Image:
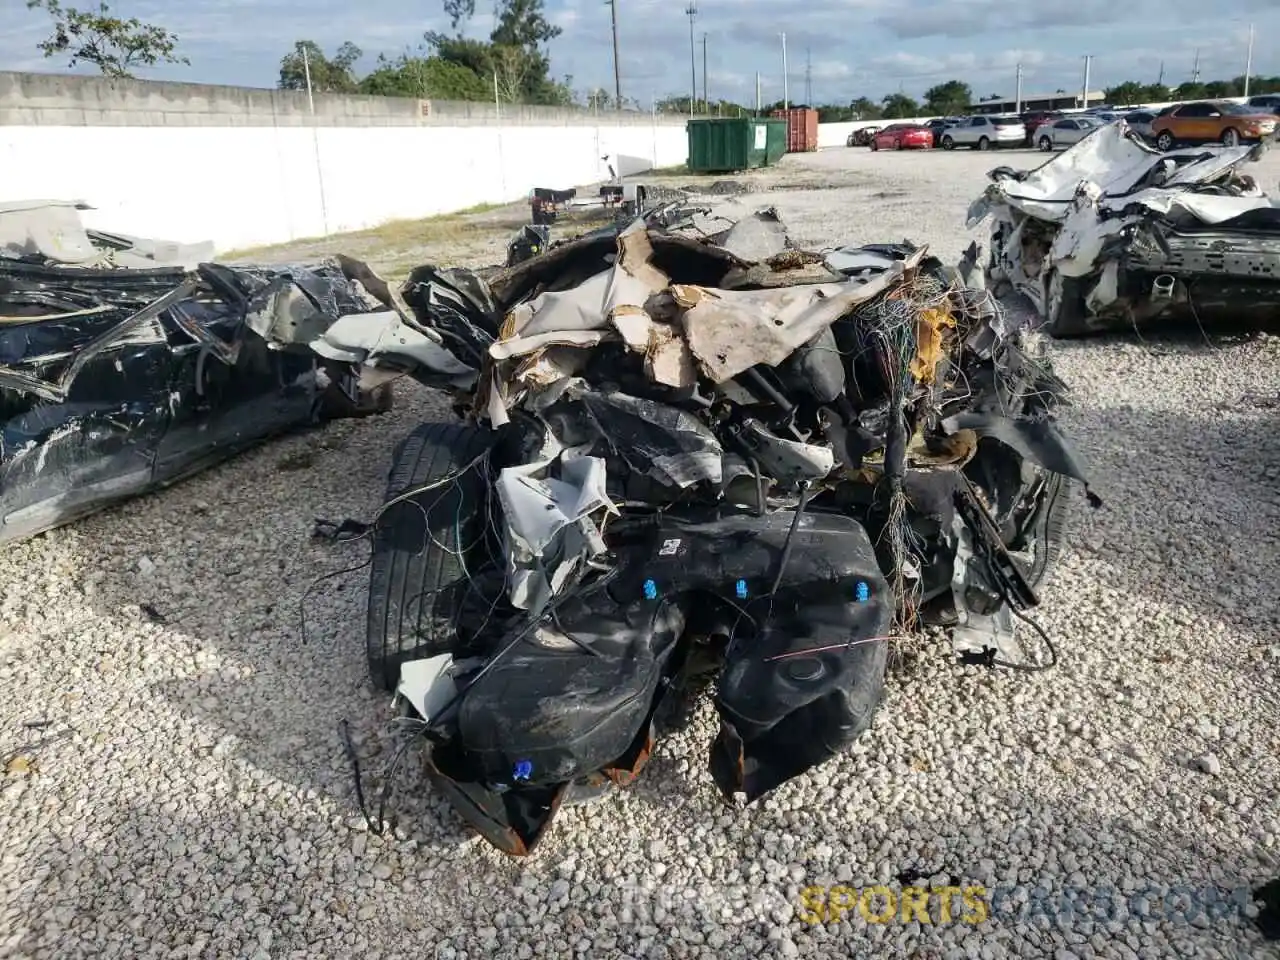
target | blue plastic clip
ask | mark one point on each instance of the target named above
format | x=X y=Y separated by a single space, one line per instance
x=740 y=588
x=523 y=770
x=650 y=590
x=863 y=591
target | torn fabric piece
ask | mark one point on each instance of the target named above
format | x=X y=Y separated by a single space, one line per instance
x=548 y=525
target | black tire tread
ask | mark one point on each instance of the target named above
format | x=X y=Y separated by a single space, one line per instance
x=415 y=572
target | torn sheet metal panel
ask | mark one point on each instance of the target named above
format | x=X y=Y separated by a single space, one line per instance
x=732 y=331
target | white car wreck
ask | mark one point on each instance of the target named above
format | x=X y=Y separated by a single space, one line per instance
x=1111 y=233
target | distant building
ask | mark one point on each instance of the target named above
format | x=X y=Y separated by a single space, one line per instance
x=1038 y=101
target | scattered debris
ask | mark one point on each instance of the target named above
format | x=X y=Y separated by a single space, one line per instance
x=1111 y=233
x=129 y=364
x=687 y=456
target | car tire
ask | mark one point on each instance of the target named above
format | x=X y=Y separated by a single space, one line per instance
x=874 y=146
x=1047 y=530
x=1070 y=319
x=984 y=143
x=948 y=143
x=1165 y=141
x=1231 y=137
x=897 y=144
x=424 y=545
x=1046 y=144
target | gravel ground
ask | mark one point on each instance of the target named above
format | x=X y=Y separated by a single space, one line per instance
x=190 y=797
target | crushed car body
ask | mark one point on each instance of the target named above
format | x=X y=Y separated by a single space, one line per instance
x=1111 y=233
x=127 y=364
x=695 y=456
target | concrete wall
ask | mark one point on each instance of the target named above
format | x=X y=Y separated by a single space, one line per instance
x=244 y=167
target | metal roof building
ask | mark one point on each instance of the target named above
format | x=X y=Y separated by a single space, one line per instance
x=1034 y=101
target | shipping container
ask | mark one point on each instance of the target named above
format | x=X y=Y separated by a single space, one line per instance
x=737 y=143
x=802 y=129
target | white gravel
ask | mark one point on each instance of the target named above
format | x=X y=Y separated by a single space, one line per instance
x=199 y=804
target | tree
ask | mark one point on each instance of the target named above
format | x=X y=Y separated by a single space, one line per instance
x=865 y=109
x=113 y=45
x=947 y=99
x=898 y=106
x=512 y=67
x=1216 y=89
x=522 y=23
x=1190 y=91
x=334 y=75
x=459 y=11
x=599 y=99
x=424 y=77
x=1131 y=92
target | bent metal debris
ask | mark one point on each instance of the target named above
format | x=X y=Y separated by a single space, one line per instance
x=689 y=455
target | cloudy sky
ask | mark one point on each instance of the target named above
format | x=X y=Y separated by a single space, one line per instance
x=853 y=47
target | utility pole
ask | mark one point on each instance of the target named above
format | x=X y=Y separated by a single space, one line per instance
x=706 y=104
x=617 y=69
x=306 y=70
x=808 y=78
x=1160 y=79
x=786 y=90
x=758 y=104
x=1248 y=63
x=1195 y=68
x=692 y=11
x=1084 y=95
x=1017 y=107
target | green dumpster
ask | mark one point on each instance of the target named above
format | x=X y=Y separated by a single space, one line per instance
x=737 y=143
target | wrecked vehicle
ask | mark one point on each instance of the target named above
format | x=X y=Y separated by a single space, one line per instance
x=687 y=460
x=128 y=364
x=1112 y=233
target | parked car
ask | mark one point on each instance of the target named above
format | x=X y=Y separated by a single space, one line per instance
x=1033 y=120
x=1063 y=133
x=903 y=136
x=1139 y=121
x=937 y=125
x=1268 y=102
x=861 y=137
x=984 y=133
x=1207 y=121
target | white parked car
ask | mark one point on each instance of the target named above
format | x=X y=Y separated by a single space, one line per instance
x=1139 y=121
x=1059 y=134
x=984 y=133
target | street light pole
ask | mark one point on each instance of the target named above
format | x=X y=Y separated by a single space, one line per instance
x=692 y=11
x=1248 y=63
x=706 y=104
x=617 y=68
x=786 y=90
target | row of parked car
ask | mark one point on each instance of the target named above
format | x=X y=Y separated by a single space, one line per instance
x=1202 y=121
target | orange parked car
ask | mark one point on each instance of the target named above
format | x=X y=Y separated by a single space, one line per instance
x=1209 y=121
x=903 y=136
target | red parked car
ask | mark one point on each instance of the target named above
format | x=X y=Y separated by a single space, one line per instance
x=903 y=136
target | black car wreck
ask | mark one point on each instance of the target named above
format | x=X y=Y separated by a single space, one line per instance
x=688 y=459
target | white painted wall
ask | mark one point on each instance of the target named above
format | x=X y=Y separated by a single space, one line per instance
x=243 y=186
